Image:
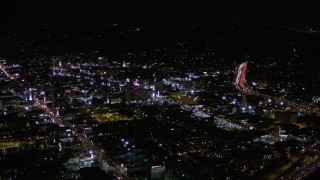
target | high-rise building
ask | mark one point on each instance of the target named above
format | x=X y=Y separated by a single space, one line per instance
x=103 y=61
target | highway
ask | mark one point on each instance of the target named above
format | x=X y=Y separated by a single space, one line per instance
x=240 y=84
x=115 y=168
x=2 y=67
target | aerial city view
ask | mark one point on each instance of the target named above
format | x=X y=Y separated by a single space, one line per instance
x=166 y=91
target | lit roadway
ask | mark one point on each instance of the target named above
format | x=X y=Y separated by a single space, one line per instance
x=101 y=158
x=6 y=73
x=241 y=85
x=308 y=167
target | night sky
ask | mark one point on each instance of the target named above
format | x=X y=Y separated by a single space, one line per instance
x=158 y=14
